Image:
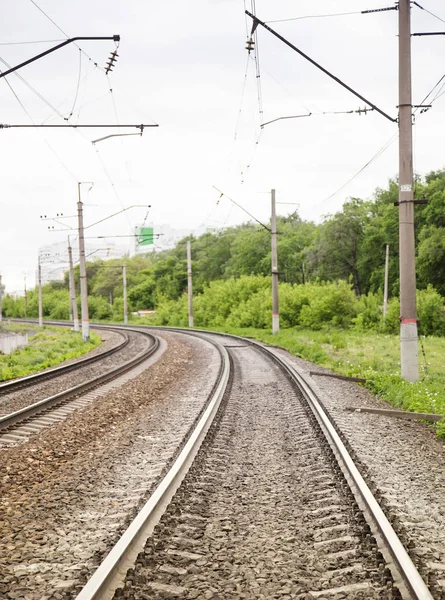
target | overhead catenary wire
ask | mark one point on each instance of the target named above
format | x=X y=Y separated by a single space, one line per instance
x=112 y=184
x=329 y=15
x=257 y=66
x=241 y=207
x=51 y=116
x=64 y=33
x=323 y=16
x=257 y=22
x=65 y=167
x=242 y=98
x=113 y=101
x=77 y=88
x=249 y=164
x=33 y=89
x=429 y=12
x=391 y=140
x=30 y=42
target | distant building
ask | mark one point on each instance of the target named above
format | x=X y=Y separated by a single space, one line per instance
x=54 y=257
x=155 y=238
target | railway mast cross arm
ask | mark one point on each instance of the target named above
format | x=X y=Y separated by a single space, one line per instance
x=114 y=38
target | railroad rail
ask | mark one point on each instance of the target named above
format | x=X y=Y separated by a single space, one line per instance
x=16 y=384
x=109 y=576
x=18 y=425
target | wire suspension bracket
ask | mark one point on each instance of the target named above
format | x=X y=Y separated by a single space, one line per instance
x=257 y=22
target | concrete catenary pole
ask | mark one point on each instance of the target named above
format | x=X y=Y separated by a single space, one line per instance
x=1 y=300
x=275 y=312
x=25 y=298
x=39 y=279
x=190 y=282
x=83 y=273
x=124 y=283
x=73 y=299
x=385 y=284
x=408 y=313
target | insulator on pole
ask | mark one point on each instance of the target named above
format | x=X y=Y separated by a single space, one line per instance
x=250 y=45
x=112 y=59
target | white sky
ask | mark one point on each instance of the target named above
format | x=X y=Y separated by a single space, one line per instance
x=182 y=65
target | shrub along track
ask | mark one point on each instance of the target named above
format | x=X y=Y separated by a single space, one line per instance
x=27 y=408
x=273 y=507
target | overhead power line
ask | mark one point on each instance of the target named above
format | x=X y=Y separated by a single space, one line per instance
x=257 y=22
x=29 y=42
x=64 y=33
x=391 y=140
x=328 y=15
x=429 y=12
x=242 y=208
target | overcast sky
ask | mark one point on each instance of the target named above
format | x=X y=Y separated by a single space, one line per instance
x=182 y=65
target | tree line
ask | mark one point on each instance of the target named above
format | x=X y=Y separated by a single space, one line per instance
x=347 y=246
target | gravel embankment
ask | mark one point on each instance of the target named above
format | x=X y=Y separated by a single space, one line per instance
x=68 y=493
x=262 y=514
x=10 y=402
x=403 y=461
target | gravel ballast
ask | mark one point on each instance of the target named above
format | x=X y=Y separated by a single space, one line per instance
x=402 y=461
x=15 y=400
x=263 y=513
x=68 y=493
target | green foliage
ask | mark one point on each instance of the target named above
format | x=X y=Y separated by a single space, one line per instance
x=99 y=308
x=247 y=302
x=231 y=271
x=370 y=314
x=47 y=348
x=430 y=311
x=373 y=356
x=333 y=305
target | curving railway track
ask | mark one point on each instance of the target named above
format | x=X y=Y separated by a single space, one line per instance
x=26 y=408
x=273 y=505
x=248 y=490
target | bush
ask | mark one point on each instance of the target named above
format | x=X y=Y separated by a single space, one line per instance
x=99 y=308
x=430 y=312
x=256 y=311
x=292 y=300
x=391 y=323
x=370 y=313
x=334 y=305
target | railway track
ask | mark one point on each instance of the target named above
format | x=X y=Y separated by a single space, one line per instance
x=17 y=426
x=273 y=505
x=22 y=382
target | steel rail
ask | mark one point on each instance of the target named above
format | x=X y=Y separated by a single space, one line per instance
x=112 y=571
x=15 y=384
x=99 y=587
x=38 y=407
x=405 y=566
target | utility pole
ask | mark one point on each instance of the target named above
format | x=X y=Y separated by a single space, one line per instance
x=73 y=299
x=39 y=281
x=25 y=298
x=83 y=272
x=124 y=283
x=273 y=224
x=385 y=286
x=189 y=282
x=1 y=300
x=408 y=313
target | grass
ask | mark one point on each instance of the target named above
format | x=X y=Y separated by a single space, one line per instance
x=373 y=356
x=47 y=347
